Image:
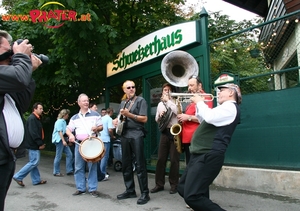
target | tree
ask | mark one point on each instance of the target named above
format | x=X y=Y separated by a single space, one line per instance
x=232 y=54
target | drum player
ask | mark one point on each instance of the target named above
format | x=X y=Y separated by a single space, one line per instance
x=85 y=123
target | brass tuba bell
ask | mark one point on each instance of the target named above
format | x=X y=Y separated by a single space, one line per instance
x=178 y=66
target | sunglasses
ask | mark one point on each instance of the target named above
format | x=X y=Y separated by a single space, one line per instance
x=132 y=87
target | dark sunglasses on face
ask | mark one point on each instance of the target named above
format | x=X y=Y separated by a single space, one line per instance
x=132 y=87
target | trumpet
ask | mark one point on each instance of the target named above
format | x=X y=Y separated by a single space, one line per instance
x=185 y=97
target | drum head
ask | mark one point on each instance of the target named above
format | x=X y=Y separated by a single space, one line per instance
x=91 y=148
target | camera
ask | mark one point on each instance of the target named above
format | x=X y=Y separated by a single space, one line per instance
x=42 y=57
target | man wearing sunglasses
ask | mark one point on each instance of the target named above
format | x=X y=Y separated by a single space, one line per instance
x=134 y=110
x=209 y=145
x=16 y=91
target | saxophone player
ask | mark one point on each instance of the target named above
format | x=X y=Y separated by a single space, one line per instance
x=188 y=119
x=166 y=144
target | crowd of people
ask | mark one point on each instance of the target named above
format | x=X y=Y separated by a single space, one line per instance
x=205 y=135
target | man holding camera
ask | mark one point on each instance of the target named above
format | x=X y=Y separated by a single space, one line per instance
x=16 y=91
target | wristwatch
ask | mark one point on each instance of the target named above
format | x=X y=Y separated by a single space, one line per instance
x=190 y=118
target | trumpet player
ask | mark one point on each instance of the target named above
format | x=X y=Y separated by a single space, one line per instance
x=208 y=151
x=188 y=118
x=166 y=144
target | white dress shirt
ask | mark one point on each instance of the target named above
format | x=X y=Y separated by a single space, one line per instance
x=14 y=123
x=221 y=115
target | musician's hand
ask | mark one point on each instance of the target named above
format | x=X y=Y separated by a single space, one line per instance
x=165 y=98
x=161 y=114
x=182 y=117
x=197 y=98
x=124 y=112
x=72 y=138
x=94 y=129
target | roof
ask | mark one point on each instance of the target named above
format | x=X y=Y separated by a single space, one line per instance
x=259 y=7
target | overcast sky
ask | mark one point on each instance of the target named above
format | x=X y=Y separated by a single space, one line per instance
x=234 y=12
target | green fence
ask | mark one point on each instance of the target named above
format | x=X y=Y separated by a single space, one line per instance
x=269 y=133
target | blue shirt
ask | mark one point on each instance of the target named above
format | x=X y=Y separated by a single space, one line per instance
x=60 y=125
x=107 y=124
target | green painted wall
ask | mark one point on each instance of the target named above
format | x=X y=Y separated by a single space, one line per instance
x=269 y=133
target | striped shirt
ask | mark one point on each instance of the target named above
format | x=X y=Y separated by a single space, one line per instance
x=83 y=126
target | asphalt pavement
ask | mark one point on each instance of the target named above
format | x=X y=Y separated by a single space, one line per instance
x=57 y=195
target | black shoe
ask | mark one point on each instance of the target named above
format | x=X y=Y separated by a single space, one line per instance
x=70 y=173
x=173 y=191
x=95 y=194
x=127 y=195
x=143 y=199
x=156 y=189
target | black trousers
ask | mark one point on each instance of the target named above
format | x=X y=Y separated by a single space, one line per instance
x=186 y=148
x=6 y=173
x=166 y=148
x=134 y=147
x=196 y=179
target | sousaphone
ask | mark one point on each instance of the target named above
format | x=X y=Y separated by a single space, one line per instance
x=178 y=66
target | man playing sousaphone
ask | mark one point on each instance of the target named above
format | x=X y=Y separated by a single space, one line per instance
x=166 y=144
x=188 y=119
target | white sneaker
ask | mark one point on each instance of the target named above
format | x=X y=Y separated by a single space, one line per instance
x=106 y=177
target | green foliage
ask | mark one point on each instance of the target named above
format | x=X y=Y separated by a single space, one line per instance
x=79 y=51
x=232 y=54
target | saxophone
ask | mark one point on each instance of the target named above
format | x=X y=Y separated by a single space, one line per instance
x=176 y=129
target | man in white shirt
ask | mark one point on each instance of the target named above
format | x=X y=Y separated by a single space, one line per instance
x=208 y=146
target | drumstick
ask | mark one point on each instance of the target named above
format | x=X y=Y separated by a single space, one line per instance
x=77 y=143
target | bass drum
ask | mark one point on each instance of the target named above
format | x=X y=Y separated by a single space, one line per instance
x=92 y=149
